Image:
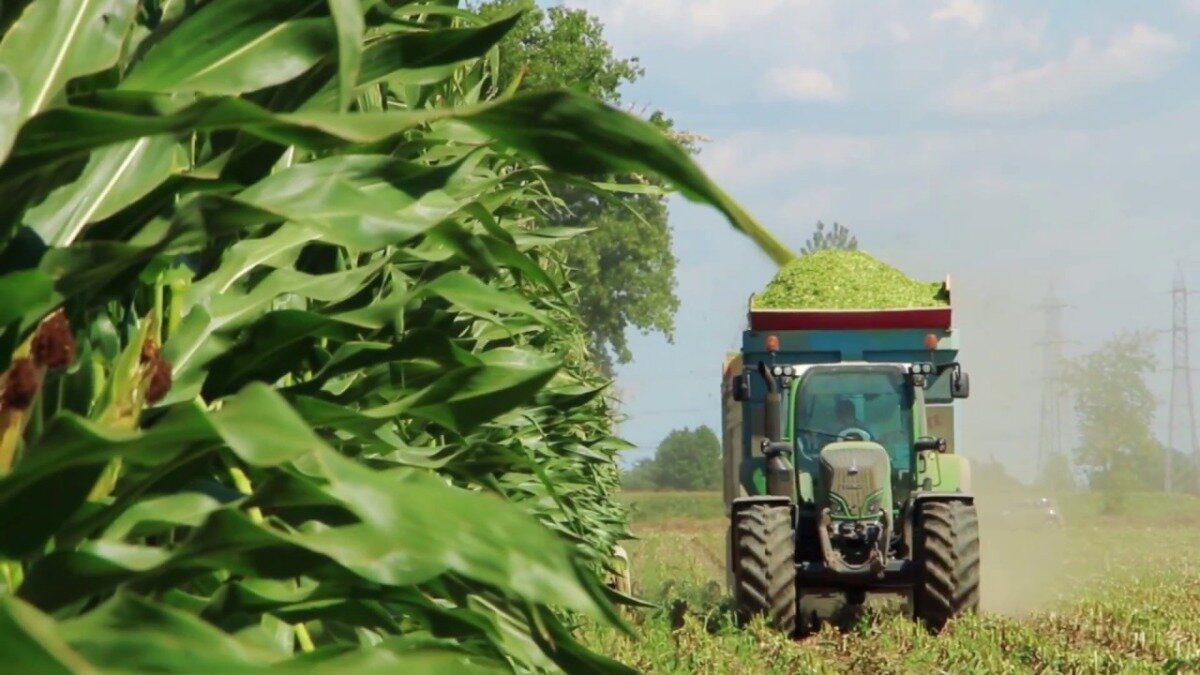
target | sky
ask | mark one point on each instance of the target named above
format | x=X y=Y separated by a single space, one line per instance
x=1014 y=146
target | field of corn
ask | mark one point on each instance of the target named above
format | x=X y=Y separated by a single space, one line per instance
x=290 y=370
x=1107 y=594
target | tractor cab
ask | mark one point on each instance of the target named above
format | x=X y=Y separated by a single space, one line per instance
x=865 y=403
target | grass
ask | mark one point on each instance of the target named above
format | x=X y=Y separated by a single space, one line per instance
x=657 y=506
x=1106 y=594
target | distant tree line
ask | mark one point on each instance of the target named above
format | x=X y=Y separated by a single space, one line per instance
x=687 y=459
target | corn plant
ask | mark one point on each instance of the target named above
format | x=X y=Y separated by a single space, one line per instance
x=291 y=371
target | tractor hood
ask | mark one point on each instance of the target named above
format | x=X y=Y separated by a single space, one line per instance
x=856 y=480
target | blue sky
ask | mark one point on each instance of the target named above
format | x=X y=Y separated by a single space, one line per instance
x=1011 y=145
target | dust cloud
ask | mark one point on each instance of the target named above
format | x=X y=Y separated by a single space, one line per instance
x=1026 y=566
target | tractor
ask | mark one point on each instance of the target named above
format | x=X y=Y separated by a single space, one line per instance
x=841 y=476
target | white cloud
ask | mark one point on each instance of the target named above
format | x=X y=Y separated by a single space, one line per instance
x=1025 y=34
x=804 y=208
x=747 y=157
x=695 y=18
x=969 y=12
x=1137 y=53
x=901 y=34
x=798 y=83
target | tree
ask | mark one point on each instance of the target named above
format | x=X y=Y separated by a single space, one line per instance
x=837 y=237
x=1115 y=408
x=625 y=265
x=559 y=47
x=687 y=459
x=641 y=476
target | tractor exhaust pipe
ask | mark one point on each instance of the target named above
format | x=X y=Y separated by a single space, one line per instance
x=780 y=477
x=772 y=429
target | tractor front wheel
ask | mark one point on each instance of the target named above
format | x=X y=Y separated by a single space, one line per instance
x=947 y=547
x=764 y=568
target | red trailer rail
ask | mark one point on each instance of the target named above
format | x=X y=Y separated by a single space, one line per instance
x=851 y=319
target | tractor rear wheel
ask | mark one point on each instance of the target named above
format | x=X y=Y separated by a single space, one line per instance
x=764 y=568
x=947 y=548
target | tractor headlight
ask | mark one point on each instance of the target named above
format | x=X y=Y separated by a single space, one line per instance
x=777 y=371
x=787 y=371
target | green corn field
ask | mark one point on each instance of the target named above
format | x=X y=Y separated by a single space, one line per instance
x=291 y=371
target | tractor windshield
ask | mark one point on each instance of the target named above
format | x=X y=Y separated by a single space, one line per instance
x=844 y=401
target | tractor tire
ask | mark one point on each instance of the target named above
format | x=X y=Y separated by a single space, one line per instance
x=947 y=548
x=764 y=568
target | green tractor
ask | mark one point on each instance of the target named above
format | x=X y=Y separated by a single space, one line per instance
x=841 y=479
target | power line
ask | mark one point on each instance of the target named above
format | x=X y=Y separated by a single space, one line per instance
x=1181 y=382
x=1050 y=419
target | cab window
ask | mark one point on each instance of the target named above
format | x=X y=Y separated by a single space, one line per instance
x=875 y=399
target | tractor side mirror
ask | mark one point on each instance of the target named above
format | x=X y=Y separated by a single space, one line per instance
x=926 y=443
x=740 y=385
x=960 y=385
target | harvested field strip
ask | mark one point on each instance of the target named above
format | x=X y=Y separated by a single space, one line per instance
x=1104 y=594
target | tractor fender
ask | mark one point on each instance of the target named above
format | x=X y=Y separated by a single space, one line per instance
x=745 y=502
x=964 y=473
x=946 y=473
x=921 y=497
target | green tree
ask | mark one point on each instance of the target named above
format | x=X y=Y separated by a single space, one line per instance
x=837 y=237
x=641 y=476
x=687 y=459
x=625 y=266
x=1115 y=408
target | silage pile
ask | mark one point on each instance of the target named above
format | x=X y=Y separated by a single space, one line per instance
x=837 y=279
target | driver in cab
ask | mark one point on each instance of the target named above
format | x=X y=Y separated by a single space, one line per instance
x=854 y=429
x=848 y=421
